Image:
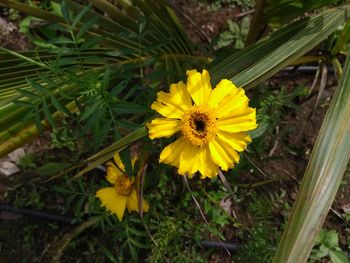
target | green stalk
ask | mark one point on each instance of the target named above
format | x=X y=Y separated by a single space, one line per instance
x=322 y=178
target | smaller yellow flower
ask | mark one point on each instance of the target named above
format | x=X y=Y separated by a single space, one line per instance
x=123 y=194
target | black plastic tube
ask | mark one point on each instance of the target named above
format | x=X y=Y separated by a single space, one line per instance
x=38 y=214
x=220 y=245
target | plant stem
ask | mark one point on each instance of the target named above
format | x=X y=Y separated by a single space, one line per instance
x=257 y=23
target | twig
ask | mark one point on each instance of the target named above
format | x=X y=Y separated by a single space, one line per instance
x=245 y=13
x=275 y=144
x=227 y=186
x=140 y=196
x=201 y=211
x=202 y=32
x=255 y=166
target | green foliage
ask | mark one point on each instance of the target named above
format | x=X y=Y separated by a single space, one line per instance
x=215 y=5
x=27 y=162
x=272 y=106
x=212 y=207
x=169 y=241
x=283 y=11
x=327 y=245
x=62 y=137
x=77 y=195
x=28 y=236
x=235 y=35
x=260 y=244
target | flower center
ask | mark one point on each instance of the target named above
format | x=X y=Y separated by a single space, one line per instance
x=199 y=126
x=123 y=185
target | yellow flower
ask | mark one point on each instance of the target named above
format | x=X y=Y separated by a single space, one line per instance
x=123 y=194
x=212 y=124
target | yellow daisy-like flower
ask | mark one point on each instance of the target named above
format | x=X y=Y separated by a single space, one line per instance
x=123 y=194
x=212 y=124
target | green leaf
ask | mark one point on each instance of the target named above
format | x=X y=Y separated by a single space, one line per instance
x=38 y=87
x=108 y=253
x=338 y=256
x=60 y=107
x=331 y=239
x=126 y=160
x=138 y=244
x=61 y=40
x=48 y=115
x=106 y=78
x=322 y=178
x=86 y=27
x=320 y=237
x=65 y=11
x=52 y=168
x=322 y=252
x=81 y=15
x=28 y=94
x=37 y=120
x=90 y=42
x=129 y=107
x=23 y=103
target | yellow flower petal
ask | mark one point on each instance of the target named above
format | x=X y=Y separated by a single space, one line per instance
x=241 y=120
x=112 y=172
x=207 y=167
x=171 y=154
x=222 y=154
x=119 y=162
x=234 y=101
x=188 y=159
x=145 y=205
x=194 y=159
x=180 y=95
x=112 y=201
x=163 y=127
x=132 y=203
x=198 y=85
x=223 y=89
x=237 y=141
x=173 y=104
